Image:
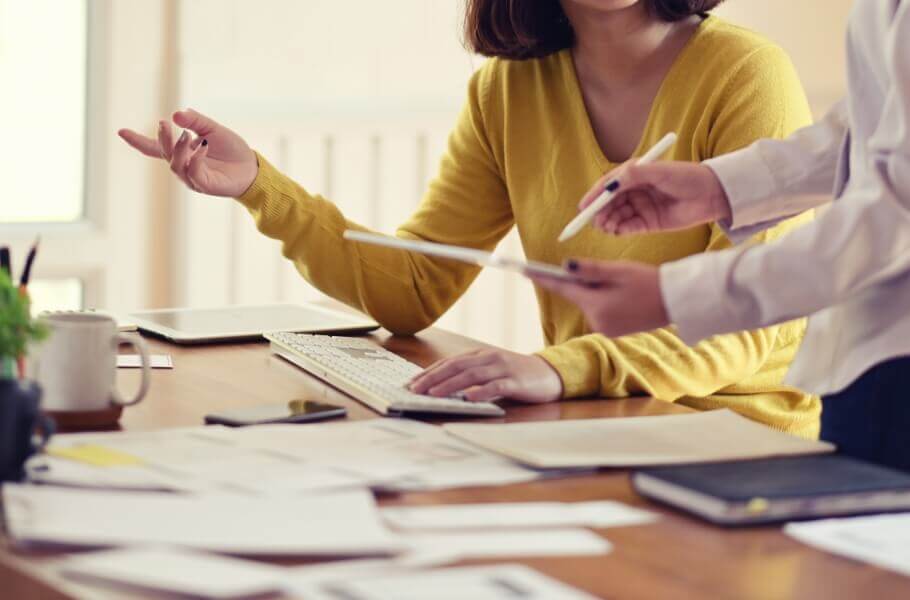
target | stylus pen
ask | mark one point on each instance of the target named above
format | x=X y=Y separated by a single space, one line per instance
x=585 y=216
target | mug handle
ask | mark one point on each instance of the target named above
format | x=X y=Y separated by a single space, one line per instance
x=138 y=344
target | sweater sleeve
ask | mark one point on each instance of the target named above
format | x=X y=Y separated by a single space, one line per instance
x=466 y=205
x=762 y=99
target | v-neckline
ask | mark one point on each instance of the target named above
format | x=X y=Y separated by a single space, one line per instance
x=581 y=110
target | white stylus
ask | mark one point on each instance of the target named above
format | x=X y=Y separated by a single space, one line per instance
x=585 y=216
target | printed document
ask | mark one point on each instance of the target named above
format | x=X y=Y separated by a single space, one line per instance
x=880 y=540
x=343 y=524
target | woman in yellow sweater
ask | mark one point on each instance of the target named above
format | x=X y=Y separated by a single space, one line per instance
x=575 y=88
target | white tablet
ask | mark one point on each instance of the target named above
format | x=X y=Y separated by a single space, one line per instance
x=459 y=253
x=201 y=325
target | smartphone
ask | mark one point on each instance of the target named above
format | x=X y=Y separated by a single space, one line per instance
x=295 y=411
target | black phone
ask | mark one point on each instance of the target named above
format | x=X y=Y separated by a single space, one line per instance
x=295 y=411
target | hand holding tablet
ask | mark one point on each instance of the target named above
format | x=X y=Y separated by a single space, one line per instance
x=468 y=255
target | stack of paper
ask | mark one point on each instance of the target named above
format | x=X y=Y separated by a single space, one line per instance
x=276 y=459
x=710 y=436
x=881 y=540
x=345 y=524
x=184 y=572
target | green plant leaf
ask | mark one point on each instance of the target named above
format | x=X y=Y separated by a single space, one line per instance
x=17 y=328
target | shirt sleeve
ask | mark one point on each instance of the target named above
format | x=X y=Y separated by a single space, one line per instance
x=467 y=204
x=772 y=180
x=861 y=241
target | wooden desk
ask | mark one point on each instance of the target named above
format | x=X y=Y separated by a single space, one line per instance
x=677 y=557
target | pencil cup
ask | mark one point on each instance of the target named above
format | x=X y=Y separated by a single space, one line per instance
x=23 y=429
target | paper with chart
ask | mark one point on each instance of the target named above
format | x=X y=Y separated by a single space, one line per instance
x=709 y=436
x=605 y=513
x=276 y=459
x=342 y=524
x=404 y=454
x=881 y=540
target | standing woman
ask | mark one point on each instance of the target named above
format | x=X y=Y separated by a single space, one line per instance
x=850 y=269
x=574 y=88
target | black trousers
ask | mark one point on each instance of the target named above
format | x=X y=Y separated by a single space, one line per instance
x=870 y=420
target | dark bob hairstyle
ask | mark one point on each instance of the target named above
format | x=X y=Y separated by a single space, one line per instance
x=520 y=29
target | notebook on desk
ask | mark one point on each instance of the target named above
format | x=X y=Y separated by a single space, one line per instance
x=779 y=489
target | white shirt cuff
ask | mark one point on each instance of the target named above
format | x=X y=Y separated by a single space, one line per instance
x=694 y=294
x=749 y=184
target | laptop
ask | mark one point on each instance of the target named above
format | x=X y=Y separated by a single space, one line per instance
x=243 y=323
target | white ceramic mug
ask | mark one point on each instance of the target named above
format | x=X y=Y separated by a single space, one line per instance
x=77 y=365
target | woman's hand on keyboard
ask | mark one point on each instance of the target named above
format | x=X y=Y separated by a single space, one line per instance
x=214 y=161
x=486 y=375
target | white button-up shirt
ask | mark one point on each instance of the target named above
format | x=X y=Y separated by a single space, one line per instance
x=850 y=268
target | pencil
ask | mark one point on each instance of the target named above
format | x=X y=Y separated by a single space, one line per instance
x=30 y=259
x=5 y=261
x=23 y=292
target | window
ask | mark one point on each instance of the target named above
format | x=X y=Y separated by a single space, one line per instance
x=55 y=294
x=43 y=74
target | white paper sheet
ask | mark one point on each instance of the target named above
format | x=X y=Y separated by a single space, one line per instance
x=510 y=515
x=177 y=571
x=344 y=524
x=499 y=582
x=433 y=549
x=708 y=436
x=881 y=540
x=134 y=361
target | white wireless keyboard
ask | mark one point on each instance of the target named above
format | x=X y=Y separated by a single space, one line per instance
x=369 y=373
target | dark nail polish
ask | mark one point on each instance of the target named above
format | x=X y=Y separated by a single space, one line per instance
x=205 y=142
x=572 y=265
x=612 y=186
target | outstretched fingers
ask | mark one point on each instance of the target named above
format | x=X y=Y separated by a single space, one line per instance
x=144 y=144
x=166 y=140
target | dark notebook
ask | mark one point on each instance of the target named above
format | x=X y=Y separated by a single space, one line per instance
x=777 y=489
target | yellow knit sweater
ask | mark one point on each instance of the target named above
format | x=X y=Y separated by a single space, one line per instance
x=522 y=153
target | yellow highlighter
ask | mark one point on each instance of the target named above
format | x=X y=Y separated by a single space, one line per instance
x=94 y=455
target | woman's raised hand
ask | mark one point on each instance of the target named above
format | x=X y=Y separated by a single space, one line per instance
x=214 y=161
x=660 y=196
